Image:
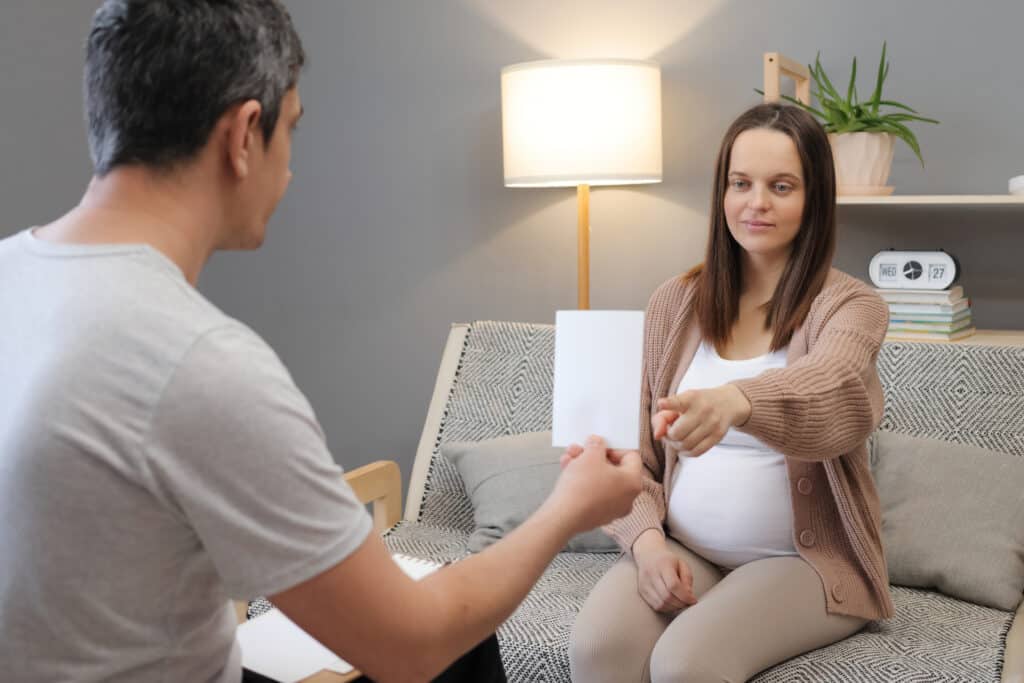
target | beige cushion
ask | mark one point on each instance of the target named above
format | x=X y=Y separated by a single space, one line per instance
x=952 y=518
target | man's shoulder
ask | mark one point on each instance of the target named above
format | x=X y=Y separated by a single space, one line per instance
x=232 y=346
x=163 y=328
x=232 y=367
x=9 y=242
x=155 y=305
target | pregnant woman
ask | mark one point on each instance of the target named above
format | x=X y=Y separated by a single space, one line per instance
x=757 y=537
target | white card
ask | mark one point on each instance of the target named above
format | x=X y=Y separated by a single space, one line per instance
x=598 y=361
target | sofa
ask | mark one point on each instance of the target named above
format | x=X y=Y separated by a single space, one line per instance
x=495 y=379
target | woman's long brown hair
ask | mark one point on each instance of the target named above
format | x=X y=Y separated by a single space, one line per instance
x=718 y=281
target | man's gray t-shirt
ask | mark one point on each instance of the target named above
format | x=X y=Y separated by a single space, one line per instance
x=156 y=459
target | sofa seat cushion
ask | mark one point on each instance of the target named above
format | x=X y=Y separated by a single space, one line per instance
x=932 y=638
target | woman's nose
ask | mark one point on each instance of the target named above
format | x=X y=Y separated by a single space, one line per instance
x=759 y=198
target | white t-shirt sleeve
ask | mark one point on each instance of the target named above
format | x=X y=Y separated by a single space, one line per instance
x=235 y=449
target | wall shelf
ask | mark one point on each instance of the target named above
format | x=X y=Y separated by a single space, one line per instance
x=777 y=65
x=1013 y=338
x=933 y=200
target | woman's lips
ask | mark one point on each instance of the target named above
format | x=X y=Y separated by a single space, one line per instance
x=758 y=226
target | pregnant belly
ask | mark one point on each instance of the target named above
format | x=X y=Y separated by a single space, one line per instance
x=732 y=506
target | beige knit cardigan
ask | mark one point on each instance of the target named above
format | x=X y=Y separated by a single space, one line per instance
x=818 y=411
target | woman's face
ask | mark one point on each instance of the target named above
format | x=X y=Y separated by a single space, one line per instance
x=764 y=199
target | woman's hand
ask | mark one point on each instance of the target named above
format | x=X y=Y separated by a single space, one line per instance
x=664 y=580
x=696 y=420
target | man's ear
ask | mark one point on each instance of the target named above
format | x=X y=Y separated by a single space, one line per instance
x=243 y=134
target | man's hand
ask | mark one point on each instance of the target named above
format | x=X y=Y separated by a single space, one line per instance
x=696 y=420
x=575 y=450
x=596 y=485
x=664 y=580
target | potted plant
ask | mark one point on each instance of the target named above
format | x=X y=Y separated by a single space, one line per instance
x=861 y=135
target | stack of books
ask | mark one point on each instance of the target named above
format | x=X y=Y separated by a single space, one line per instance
x=928 y=314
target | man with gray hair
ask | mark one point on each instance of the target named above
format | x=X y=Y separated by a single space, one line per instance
x=156 y=458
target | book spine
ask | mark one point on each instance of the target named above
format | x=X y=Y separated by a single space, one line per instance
x=930 y=336
x=919 y=299
x=937 y=328
x=922 y=296
x=916 y=316
x=943 y=309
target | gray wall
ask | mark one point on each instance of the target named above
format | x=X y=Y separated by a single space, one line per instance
x=398 y=224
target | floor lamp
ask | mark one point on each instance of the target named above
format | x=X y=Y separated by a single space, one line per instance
x=578 y=123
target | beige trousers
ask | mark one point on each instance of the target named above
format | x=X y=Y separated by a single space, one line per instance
x=748 y=620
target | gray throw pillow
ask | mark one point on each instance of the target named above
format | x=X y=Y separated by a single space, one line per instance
x=507 y=479
x=952 y=517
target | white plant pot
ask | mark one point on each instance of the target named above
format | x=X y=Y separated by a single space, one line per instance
x=863 y=162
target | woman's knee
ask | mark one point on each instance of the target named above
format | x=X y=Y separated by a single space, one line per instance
x=614 y=631
x=673 y=664
x=601 y=652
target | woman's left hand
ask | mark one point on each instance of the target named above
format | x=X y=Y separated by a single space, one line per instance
x=696 y=420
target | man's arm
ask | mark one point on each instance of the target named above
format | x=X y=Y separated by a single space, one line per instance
x=395 y=629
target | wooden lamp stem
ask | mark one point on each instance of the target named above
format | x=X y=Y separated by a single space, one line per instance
x=583 y=245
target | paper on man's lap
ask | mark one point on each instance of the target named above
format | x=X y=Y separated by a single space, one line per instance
x=273 y=645
x=598 y=361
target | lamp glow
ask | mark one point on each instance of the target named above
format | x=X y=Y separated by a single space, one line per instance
x=579 y=123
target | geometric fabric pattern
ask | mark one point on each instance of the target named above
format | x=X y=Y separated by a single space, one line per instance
x=964 y=394
x=503 y=386
x=932 y=638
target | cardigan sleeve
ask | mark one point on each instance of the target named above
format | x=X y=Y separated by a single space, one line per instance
x=649 y=510
x=830 y=400
x=649 y=507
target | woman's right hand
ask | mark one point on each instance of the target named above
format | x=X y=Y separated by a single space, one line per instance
x=664 y=580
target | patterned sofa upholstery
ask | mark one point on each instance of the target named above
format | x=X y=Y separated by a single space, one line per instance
x=496 y=379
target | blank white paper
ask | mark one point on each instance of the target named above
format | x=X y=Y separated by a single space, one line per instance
x=275 y=646
x=598 y=361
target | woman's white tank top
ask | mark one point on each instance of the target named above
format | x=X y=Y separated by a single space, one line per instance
x=731 y=505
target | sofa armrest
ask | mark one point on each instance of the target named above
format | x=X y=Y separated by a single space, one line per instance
x=241 y=610
x=1013 y=662
x=380 y=485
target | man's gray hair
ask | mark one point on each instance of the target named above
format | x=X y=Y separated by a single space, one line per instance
x=160 y=73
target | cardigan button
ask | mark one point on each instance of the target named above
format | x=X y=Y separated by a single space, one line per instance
x=838 y=594
x=804 y=486
x=807 y=538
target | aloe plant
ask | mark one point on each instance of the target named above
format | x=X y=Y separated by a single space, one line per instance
x=849 y=115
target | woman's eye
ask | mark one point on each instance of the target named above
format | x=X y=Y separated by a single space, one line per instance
x=739 y=184
x=783 y=187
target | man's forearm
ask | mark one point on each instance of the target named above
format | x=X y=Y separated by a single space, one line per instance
x=476 y=595
x=395 y=629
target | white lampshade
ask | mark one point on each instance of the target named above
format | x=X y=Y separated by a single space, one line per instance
x=581 y=122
